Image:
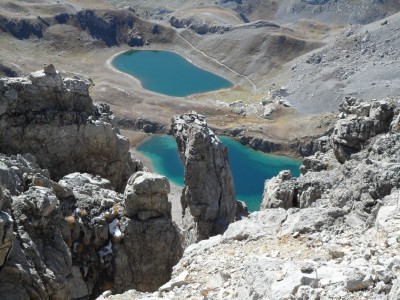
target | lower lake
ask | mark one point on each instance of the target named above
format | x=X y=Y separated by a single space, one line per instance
x=168 y=73
x=250 y=168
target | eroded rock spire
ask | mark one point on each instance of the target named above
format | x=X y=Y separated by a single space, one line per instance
x=208 y=198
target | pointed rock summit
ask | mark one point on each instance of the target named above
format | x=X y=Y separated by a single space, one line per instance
x=208 y=198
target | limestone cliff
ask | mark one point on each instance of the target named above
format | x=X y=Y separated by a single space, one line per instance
x=208 y=198
x=55 y=119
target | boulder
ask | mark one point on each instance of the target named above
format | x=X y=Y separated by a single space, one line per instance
x=395 y=292
x=310 y=220
x=269 y=109
x=279 y=191
x=146 y=196
x=258 y=224
x=41 y=201
x=151 y=243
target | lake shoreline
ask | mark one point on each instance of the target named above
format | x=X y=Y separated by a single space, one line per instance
x=144 y=71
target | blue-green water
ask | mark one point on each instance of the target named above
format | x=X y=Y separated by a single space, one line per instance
x=168 y=73
x=163 y=154
x=249 y=168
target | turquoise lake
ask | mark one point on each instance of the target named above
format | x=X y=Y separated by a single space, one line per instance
x=250 y=168
x=168 y=73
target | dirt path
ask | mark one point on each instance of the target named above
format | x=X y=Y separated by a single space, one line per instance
x=217 y=61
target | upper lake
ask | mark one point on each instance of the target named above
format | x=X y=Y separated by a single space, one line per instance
x=250 y=168
x=168 y=73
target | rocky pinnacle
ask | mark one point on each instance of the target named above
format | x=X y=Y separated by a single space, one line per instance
x=208 y=198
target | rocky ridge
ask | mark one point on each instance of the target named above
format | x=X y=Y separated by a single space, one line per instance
x=112 y=27
x=65 y=233
x=330 y=234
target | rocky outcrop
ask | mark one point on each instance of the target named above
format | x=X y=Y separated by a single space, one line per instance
x=74 y=238
x=331 y=233
x=8 y=71
x=112 y=26
x=23 y=28
x=359 y=122
x=70 y=235
x=208 y=197
x=54 y=118
x=199 y=26
x=343 y=176
x=279 y=192
x=304 y=146
x=152 y=242
x=148 y=126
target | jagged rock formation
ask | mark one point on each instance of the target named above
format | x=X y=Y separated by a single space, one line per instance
x=152 y=242
x=74 y=238
x=55 y=119
x=38 y=264
x=146 y=196
x=208 y=198
x=332 y=234
x=353 y=171
x=359 y=122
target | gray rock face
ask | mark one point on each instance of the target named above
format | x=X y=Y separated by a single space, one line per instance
x=360 y=122
x=146 y=196
x=208 y=198
x=278 y=192
x=6 y=235
x=356 y=182
x=55 y=119
x=198 y=25
x=39 y=248
x=151 y=243
x=72 y=239
x=39 y=261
